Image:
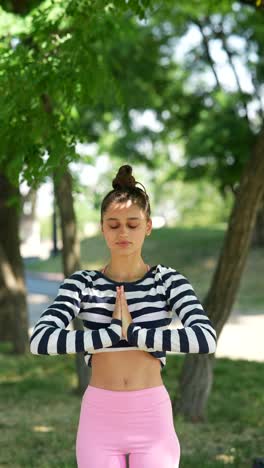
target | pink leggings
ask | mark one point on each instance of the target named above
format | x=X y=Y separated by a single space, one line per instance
x=136 y=422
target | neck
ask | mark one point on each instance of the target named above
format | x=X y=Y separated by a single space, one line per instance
x=127 y=272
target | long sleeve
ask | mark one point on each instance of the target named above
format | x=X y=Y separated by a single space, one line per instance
x=197 y=335
x=49 y=335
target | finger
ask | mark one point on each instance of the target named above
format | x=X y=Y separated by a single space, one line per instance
x=122 y=294
x=123 y=301
x=120 y=299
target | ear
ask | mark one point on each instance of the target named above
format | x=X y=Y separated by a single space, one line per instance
x=149 y=227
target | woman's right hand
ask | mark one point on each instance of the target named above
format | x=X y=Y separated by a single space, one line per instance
x=117 y=310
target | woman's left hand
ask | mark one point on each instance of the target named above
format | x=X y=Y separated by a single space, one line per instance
x=126 y=317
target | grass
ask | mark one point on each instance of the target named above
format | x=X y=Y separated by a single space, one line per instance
x=40 y=412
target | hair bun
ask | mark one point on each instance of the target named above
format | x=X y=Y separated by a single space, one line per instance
x=124 y=189
x=124 y=178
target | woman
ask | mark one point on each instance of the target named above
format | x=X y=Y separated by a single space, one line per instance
x=126 y=408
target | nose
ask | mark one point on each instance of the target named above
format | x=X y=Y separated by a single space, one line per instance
x=123 y=234
x=123 y=229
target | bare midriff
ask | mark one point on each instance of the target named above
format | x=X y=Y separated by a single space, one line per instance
x=125 y=370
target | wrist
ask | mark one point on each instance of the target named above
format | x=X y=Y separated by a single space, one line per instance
x=116 y=326
x=130 y=330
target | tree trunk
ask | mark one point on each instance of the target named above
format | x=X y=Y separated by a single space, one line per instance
x=71 y=257
x=197 y=372
x=13 y=304
x=258 y=233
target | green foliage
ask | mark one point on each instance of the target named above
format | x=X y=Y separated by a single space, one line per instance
x=79 y=65
x=220 y=142
x=58 y=64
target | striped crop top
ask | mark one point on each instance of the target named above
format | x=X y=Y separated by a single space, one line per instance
x=153 y=301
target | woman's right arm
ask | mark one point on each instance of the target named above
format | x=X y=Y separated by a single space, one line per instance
x=49 y=335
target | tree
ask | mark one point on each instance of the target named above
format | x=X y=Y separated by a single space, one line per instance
x=197 y=372
x=44 y=120
x=70 y=254
x=64 y=64
x=13 y=318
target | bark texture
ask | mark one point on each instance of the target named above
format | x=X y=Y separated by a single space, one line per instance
x=71 y=256
x=197 y=373
x=258 y=234
x=13 y=303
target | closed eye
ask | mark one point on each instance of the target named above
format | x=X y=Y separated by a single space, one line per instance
x=131 y=227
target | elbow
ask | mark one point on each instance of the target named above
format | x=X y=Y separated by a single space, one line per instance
x=33 y=347
x=208 y=347
x=214 y=344
x=212 y=347
x=207 y=350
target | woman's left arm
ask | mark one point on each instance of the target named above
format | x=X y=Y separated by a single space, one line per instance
x=198 y=334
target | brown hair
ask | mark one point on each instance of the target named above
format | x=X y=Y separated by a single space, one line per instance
x=124 y=188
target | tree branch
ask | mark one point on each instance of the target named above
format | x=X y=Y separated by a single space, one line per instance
x=257 y=4
x=207 y=50
x=221 y=35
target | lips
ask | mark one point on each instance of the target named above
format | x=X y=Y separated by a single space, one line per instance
x=123 y=243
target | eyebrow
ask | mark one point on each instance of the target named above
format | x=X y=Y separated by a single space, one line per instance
x=133 y=217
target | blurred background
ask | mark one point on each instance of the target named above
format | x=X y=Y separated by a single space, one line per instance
x=177 y=92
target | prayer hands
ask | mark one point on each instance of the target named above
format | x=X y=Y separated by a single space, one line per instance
x=126 y=317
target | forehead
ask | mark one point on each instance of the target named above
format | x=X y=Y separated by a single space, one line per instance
x=125 y=210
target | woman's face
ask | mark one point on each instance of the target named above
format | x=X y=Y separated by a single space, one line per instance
x=125 y=222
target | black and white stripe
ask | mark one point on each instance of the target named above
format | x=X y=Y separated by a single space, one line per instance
x=49 y=335
x=198 y=334
x=152 y=301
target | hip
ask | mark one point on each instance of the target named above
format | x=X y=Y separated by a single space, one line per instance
x=149 y=400
x=121 y=422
